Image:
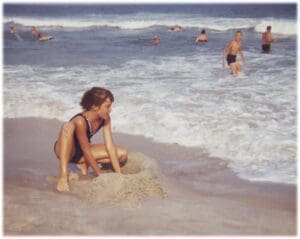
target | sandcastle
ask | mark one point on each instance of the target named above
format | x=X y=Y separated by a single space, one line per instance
x=141 y=177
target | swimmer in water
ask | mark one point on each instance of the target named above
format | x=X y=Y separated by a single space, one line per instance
x=39 y=36
x=231 y=51
x=202 y=37
x=176 y=28
x=73 y=144
x=155 y=40
x=14 y=32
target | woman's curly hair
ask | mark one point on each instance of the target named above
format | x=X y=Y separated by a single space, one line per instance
x=95 y=96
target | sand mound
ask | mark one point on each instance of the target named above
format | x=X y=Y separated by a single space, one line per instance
x=141 y=177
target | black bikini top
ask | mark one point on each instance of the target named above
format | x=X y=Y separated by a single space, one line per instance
x=89 y=130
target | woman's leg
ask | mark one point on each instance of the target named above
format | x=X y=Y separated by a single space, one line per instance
x=64 y=149
x=101 y=155
x=82 y=166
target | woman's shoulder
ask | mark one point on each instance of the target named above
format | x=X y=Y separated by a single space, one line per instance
x=78 y=120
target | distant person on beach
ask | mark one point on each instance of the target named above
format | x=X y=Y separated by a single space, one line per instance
x=14 y=32
x=155 y=40
x=176 y=28
x=39 y=36
x=267 y=40
x=231 y=51
x=202 y=37
x=73 y=143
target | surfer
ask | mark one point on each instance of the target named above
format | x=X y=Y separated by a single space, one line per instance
x=202 y=37
x=74 y=146
x=231 y=51
x=266 y=40
x=39 y=36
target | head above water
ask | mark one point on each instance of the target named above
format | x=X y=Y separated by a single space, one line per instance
x=95 y=96
x=13 y=30
x=203 y=32
x=269 y=28
x=238 y=35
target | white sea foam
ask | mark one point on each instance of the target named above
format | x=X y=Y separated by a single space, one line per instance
x=140 y=21
x=245 y=120
x=279 y=26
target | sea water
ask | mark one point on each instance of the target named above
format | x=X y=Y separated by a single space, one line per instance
x=176 y=92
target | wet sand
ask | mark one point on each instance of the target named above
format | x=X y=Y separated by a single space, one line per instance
x=204 y=197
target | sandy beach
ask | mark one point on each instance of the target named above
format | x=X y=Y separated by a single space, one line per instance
x=202 y=195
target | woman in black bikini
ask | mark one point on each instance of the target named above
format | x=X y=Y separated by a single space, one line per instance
x=73 y=143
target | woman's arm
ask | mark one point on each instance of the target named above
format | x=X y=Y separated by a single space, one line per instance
x=80 y=129
x=110 y=146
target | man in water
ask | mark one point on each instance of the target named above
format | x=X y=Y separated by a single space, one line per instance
x=231 y=51
x=13 y=31
x=266 y=40
x=39 y=36
x=155 y=40
x=202 y=37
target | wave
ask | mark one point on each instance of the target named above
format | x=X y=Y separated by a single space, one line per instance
x=246 y=121
x=285 y=27
x=135 y=22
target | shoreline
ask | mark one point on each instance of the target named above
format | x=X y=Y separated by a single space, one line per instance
x=232 y=205
x=194 y=152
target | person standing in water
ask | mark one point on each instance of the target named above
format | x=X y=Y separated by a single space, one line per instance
x=267 y=40
x=155 y=40
x=73 y=144
x=231 y=51
x=202 y=37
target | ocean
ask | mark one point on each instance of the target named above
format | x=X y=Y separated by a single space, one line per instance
x=176 y=92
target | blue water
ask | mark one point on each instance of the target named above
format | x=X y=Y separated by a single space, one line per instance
x=211 y=10
x=176 y=92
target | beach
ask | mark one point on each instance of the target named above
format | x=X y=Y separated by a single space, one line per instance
x=205 y=199
x=209 y=153
x=175 y=92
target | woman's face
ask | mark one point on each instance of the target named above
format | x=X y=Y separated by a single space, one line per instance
x=105 y=109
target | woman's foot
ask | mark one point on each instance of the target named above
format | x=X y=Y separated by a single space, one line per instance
x=63 y=185
x=83 y=168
